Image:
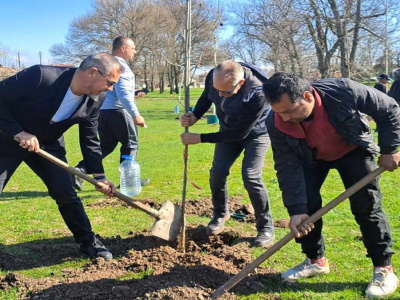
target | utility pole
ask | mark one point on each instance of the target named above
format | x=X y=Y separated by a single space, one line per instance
x=40 y=57
x=19 y=62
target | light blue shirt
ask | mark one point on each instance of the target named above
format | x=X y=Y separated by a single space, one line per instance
x=123 y=94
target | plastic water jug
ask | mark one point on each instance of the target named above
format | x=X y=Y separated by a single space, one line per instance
x=176 y=109
x=129 y=174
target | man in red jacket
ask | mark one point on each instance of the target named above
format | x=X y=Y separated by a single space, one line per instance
x=321 y=126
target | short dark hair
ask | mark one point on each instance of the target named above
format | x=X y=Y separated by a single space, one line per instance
x=285 y=83
x=119 y=41
x=383 y=76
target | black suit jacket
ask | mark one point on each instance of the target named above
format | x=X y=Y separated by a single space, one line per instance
x=28 y=101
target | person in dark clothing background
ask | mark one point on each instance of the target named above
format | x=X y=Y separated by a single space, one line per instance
x=40 y=103
x=381 y=85
x=394 y=91
x=321 y=126
x=235 y=89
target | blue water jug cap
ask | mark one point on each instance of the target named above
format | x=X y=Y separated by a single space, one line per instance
x=127 y=157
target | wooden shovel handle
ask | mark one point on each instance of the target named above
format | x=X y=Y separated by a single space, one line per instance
x=286 y=239
x=152 y=212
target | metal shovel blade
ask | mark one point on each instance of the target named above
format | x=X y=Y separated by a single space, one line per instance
x=170 y=222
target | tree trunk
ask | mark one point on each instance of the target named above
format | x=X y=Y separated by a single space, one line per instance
x=171 y=80
x=176 y=79
x=145 y=71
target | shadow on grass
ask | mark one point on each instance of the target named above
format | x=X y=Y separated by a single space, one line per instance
x=7 y=196
x=49 y=252
x=183 y=282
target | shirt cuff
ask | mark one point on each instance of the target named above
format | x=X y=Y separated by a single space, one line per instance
x=388 y=150
x=298 y=209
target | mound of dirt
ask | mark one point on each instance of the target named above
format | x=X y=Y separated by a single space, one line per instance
x=147 y=268
x=144 y=267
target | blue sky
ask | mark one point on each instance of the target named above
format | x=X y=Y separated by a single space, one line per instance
x=30 y=26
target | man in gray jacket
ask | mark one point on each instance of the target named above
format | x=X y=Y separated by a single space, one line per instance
x=321 y=126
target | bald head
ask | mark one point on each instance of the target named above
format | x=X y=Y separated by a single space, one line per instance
x=124 y=47
x=228 y=78
x=228 y=71
x=119 y=41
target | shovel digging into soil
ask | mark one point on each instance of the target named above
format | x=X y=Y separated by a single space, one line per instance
x=287 y=238
x=168 y=218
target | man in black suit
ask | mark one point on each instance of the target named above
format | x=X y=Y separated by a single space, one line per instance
x=40 y=103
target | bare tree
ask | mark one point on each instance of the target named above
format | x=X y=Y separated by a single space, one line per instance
x=278 y=30
x=5 y=57
x=156 y=27
x=289 y=29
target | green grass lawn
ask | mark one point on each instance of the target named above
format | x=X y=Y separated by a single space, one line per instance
x=28 y=214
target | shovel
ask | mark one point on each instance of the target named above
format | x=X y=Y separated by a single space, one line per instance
x=287 y=238
x=168 y=218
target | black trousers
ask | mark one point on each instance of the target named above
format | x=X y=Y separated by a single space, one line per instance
x=116 y=126
x=366 y=205
x=59 y=185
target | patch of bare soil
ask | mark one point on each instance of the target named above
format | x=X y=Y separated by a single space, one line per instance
x=203 y=207
x=168 y=274
x=144 y=267
x=240 y=212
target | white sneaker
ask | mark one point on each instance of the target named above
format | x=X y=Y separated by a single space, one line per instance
x=383 y=283
x=304 y=270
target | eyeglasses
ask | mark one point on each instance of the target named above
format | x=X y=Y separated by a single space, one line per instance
x=110 y=83
x=230 y=92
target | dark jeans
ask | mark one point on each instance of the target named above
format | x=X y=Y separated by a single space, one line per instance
x=59 y=185
x=253 y=162
x=116 y=126
x=366 y=205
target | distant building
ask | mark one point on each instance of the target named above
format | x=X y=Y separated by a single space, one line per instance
x=337 y=74
x=202 y=80
x=6 y=72
x=63 y=65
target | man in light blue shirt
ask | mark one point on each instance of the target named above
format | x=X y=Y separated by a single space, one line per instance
x=119 y=115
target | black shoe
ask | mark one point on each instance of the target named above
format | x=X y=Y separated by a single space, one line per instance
x=144 y=182
x=264 y=239
x=95 y=248
x=77 y=182
x=216 y=225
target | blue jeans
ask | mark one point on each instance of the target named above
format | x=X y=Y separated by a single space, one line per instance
x=366 y=205
x=225 y=155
